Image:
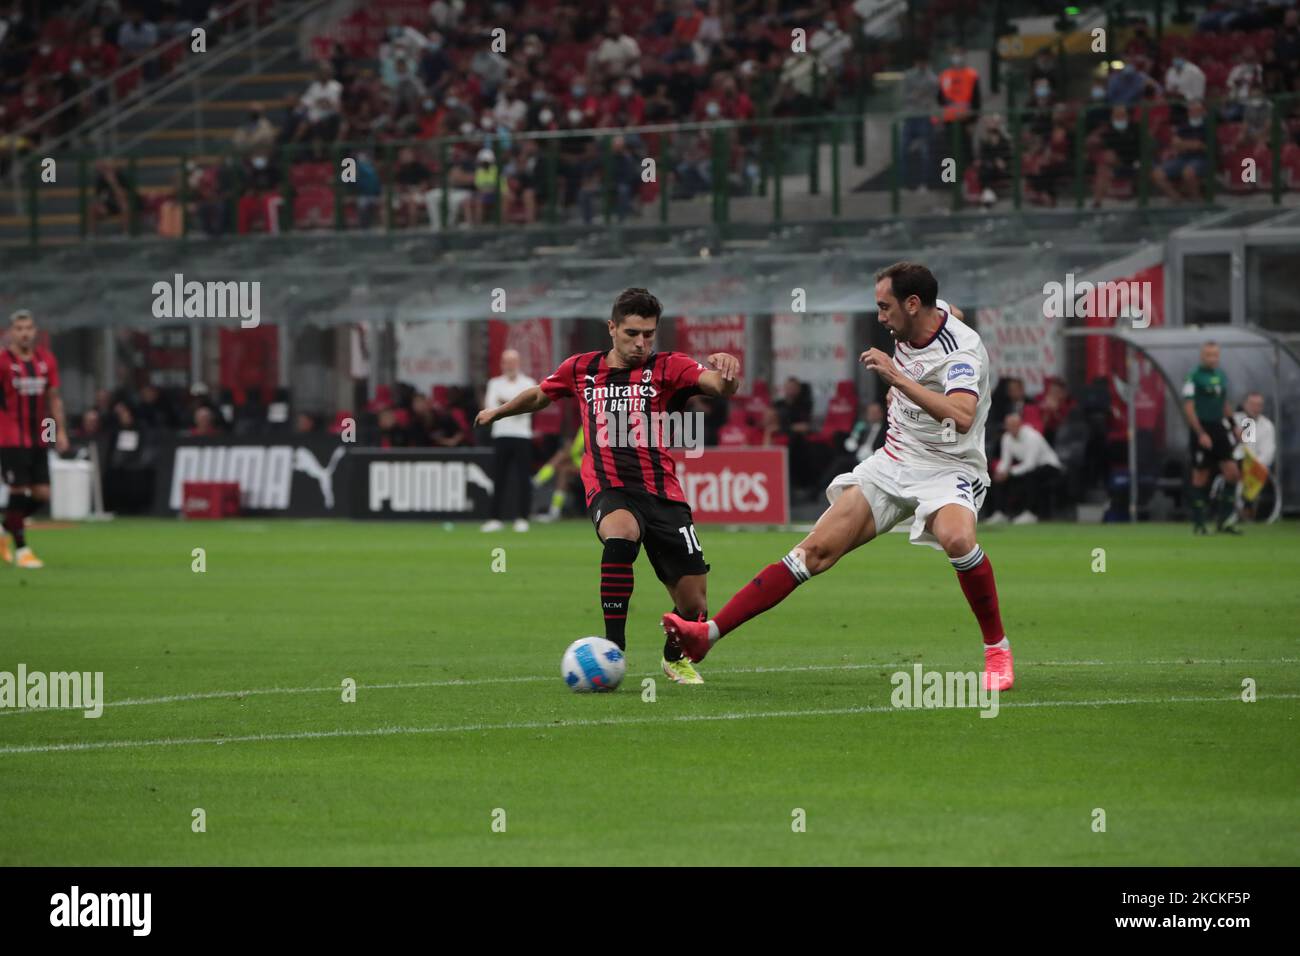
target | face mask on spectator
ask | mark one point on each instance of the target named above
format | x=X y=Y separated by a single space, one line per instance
x=77 y=67
x=259 y=162
x=713 y=110
x=1120 y=125
x=1099 y=92
x=579 y=90
x=830 y=26
x=1195 y=120
x=45 y=49
x=1042 y=90
x=575 y=117
x=957 y=59
x=1179 y=63
x=428 y=106
x=545 y=117
x=486 y=122
x=539 y=96
x=466 y=128
x=624 y=90
x=452 y=102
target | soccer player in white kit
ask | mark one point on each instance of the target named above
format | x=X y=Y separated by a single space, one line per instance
x=931 y=469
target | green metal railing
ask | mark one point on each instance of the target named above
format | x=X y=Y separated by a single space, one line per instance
x=574 y=176
x=960 y=141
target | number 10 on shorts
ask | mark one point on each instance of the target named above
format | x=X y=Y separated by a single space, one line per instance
x=692 y=542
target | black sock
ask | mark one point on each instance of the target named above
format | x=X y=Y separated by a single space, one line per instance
x=20 y=506
x=616 y=586
x=1227 y=502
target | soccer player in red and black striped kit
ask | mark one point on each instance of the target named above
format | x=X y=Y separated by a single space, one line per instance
x=633 y=496
x=31 y=412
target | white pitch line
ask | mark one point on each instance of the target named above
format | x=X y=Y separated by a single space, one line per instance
x=487 y=681
x=604 y=722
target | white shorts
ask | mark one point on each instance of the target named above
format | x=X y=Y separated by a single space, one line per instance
x=896 y=492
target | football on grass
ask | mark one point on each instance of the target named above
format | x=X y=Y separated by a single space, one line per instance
x=593 y=664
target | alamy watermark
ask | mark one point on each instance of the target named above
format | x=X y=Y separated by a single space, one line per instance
x=637 y=429
x=179 y=299
x=1078 y=300
x=55 y=690
x=920 y=688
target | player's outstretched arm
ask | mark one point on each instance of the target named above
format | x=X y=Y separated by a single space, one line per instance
x=529 y=400
x=724 y=378
x=959 y=407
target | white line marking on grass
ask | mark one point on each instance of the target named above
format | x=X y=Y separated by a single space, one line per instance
x=487 y=681
x=604 y=722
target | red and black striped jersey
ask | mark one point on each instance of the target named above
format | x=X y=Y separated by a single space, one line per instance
x=24 y=396
x=608 y=395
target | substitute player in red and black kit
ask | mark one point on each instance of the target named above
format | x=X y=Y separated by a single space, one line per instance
x=633 y=496
x=31 y=411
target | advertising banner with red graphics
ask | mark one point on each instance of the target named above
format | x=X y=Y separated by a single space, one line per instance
x=1107 y=358
x=432 y=353
x=815 y=349
x=737 y=485
x=250 y=361
x=531 y=338
x=1021 y=340
x=701 y=337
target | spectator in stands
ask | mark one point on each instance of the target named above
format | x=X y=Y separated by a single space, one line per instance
x=1286 y=49
x=460 y=189
x=318 y=115
x=994 y=159
x=512 y=443
x=1128 y=85
x=520 y=173
x=624 y=107
x=1048 y=165
x=490 y=67
x=794 y=407
x=154 y=410
x=1054 y=407
x=205 y=423
x=770 y=431
x=369 y=190
x=412 y=179
x=959 y=96
x=1258 y=450
x=1118 y=148
x=868 y=435
x=305 y=423
x=256 y=135
x=436 y=68
x=1184 y=80
x=115 y=194
x=136 y=37
x=510 y=111
x=1245 y=76
x=617 y=55
x=1027 y=472
x=920 y=91
x=624 y=179
x=1188 y=162
x=487 y=176
x=407 y=91
x=1046 y=66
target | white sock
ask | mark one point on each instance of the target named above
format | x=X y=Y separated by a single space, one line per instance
x=1002 y=645
x=714 y=634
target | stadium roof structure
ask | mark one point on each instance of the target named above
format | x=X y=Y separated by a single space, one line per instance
x=575 y=271
x=1246 y=355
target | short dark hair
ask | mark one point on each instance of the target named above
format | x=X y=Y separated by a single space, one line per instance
x=909 y=279
x=635 y=302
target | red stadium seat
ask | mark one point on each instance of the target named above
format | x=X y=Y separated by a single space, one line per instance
x=313 y=208
x=311 y=174
x=1291 y=166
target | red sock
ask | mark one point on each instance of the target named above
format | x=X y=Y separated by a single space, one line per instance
x=981 y=592
x=768 y=589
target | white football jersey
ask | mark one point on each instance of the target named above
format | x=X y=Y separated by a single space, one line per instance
x=954 y=360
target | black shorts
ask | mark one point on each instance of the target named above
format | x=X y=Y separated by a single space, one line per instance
x=667 y=530
x=24 y=467
x=1221 y=449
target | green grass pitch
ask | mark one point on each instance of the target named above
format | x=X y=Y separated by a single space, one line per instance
x=224 y=693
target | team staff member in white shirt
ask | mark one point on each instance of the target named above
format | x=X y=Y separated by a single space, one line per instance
x=512 y=439
x=1027 y=469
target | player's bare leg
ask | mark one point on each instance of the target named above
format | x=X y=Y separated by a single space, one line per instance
x=845 y=525
x=622 y=538
x=690 y=602
x=954 y=527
